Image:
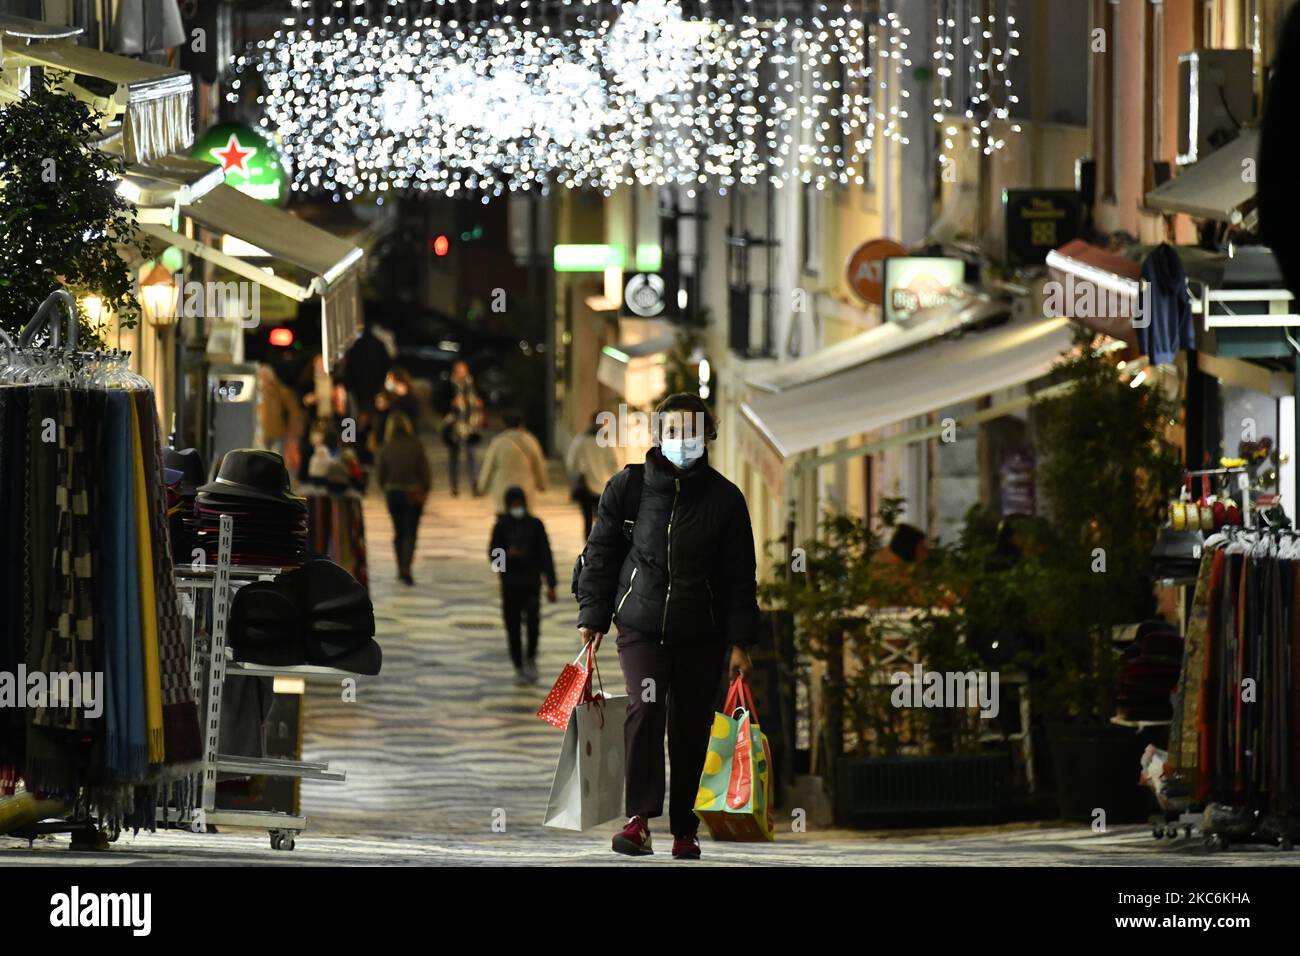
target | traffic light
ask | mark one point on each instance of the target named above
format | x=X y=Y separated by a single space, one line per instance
x=441 y=245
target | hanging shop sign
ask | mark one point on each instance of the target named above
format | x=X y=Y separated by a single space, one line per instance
x=913 y=283
x=865 y=269
x=1038 y=221
x=644 y=295
x=249 y=160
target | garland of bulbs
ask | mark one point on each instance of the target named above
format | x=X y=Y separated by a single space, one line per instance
x=484 y=96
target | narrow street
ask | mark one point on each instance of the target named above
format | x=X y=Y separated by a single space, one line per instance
x=442 y=744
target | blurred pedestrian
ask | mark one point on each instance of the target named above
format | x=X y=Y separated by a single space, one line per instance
x=403 y=472
x=278 y=411
x=520 y=552
x=513 y=457
x=589 y=464
x=462 y=425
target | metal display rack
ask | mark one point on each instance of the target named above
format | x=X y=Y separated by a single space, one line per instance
x=210 y=665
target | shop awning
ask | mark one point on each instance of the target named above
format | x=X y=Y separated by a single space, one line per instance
x=635 y=371
x=169 y=182
x=318 y=263
x=149 y=111
x=1096 y=288
x=906 y=385
x=1213 y=188
x=21 y=28
x=876 y=343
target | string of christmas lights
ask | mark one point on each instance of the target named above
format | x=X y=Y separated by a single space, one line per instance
x=487 y=95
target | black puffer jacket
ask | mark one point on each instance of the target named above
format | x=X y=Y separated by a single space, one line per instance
x=689 y=573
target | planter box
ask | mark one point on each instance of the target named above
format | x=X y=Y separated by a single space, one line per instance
x=1097 y=767
x=916 y=791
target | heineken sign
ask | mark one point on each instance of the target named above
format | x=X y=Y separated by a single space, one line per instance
x=251 y=163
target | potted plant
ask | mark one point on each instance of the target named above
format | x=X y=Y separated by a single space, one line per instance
x=1105 y=469
x=63 y=223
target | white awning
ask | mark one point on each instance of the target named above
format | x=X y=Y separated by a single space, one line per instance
x=876 y=343
x=903 y=386
x=636 y=371
x=148 y=114
x=1214 y=187
x=330 y=263
x=21 y=28
x=170 y=181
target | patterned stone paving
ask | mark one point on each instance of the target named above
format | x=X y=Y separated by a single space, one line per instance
x=442 y=741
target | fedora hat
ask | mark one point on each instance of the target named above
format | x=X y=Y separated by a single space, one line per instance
x=189 y=463
x=253 y=473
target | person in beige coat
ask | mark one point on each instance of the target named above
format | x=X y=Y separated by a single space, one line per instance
x=513 y=458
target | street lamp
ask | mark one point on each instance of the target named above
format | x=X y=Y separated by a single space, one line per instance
x=158 y=297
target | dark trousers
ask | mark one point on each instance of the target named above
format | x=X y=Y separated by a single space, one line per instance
x=521 y=605
x=406 y=528
x=671 y=687
x=587 y=502
x=453 y=464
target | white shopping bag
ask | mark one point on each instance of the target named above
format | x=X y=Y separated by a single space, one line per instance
x=588 y=786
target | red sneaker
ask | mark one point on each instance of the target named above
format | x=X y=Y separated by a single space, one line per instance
x=686 y=847
x=634 y=840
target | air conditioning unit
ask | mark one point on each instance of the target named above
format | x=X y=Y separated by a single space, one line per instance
x=1216 y=96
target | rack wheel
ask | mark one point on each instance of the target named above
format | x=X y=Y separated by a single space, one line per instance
x=286 y=842
x=1171 y=831
x=276 y=838
x=1287 y=844
x=1157 y=833
x=114 y=831
x=1215 y=841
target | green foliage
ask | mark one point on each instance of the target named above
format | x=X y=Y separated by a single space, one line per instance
x=1025 y=598
x=61 y=218
x=1105 y=472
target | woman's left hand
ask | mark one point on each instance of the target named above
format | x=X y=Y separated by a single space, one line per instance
x=740 y=663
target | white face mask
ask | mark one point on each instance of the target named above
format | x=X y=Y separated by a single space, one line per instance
x=682 y=452
x=518 y=512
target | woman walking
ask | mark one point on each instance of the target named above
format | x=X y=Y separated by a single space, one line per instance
x=402 y=472
x=462 y=424
x=682 y=593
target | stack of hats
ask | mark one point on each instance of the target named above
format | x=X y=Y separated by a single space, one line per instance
x=270 y=522
x=184 y=474
x=316 y=614
x=1149 y=671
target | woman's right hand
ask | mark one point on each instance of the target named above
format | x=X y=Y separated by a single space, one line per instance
x=588 y=636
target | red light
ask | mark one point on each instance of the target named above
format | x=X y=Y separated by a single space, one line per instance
x=440 y=245
x=282 y=337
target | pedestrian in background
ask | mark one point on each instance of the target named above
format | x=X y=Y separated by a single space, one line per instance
x=513 y=458
x=682 y=594
x=520 y=552
x=402 y=470
x=462 y=425
x=589 y=464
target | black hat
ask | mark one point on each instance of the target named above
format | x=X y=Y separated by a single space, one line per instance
x=190 y=464
x=253 y=473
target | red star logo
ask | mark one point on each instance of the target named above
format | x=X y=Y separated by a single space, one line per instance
x=234 y=157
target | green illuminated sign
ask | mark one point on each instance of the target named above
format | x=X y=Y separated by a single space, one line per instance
x=597 y=257
x=250 y=161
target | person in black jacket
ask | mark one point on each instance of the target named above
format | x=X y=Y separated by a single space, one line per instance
x=681 y=592
x=521 y=553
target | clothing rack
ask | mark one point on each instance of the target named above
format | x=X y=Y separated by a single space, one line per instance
x=210 y=666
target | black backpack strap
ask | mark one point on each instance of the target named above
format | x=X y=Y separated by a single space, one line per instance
x=632 y=503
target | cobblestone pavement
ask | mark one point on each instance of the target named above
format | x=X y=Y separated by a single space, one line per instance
x=442 y=743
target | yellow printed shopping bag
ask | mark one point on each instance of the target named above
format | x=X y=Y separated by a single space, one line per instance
x=735 y=796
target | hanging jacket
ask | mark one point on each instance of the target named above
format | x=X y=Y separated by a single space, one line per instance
x=689 y=574
x=1168 y=329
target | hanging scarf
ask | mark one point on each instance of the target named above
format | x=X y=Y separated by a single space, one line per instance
x=148 y=601
x=180 y=717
